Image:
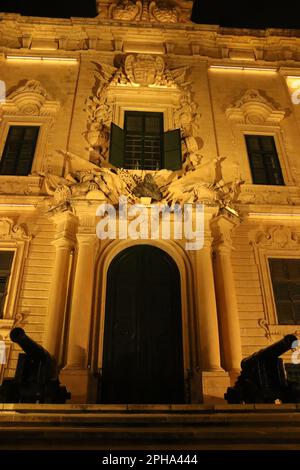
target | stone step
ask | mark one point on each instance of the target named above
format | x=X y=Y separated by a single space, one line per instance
x=149 y=426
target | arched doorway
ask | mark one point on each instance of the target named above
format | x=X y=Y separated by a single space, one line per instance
x=142 y=349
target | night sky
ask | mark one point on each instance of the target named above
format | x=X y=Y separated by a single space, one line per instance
x=246 y=13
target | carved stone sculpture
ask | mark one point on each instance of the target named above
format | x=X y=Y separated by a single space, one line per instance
x=144 y=69
x=148 y=188
x=127 y=10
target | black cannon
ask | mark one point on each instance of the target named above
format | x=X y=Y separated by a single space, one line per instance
x=263 y=377
x=37 y=376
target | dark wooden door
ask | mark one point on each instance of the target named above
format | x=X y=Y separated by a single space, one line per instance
x=143 y=355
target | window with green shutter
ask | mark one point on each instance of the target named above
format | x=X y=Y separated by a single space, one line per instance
x=285 y=274
x=264 y=161
x=19 y=150
x=143 y=145
x=6 y=259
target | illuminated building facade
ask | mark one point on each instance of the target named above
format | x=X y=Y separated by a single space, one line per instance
x=212 y=114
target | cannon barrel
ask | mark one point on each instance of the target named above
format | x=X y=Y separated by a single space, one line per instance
x=271 y=352
x=30 y=347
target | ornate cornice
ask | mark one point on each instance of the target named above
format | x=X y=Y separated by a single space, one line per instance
x=280 y=46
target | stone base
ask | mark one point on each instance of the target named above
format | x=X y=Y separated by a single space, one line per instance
x=214 y=385
x=78 y=382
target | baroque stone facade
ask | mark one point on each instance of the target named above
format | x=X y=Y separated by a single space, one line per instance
x=74 y=78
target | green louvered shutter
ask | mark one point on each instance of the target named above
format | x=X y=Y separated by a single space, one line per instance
x=116 y=150
x=172 y=150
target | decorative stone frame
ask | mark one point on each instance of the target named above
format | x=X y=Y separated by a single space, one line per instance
x=13 y=238
x=29 y=105
x=144 y=99
x=142 y=82
x=274 y=242
x=254 y=114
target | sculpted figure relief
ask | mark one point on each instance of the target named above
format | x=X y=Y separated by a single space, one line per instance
x=205 y=184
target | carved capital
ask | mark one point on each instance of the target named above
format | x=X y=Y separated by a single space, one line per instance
x=222 y=227
x=66 y=227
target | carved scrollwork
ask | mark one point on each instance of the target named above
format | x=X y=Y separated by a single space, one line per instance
x=278 y=237
x=265 y=326
x=254 y=107
x=159 y=11
x=142 y=70
x=30 y=99
x=163 y=14
x=10 y=231
x=126 y=10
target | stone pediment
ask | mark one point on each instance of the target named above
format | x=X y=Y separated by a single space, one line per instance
x=30 y=99
x=255 y=108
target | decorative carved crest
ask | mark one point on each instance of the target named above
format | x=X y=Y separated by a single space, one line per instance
x=30 y=99
x=10 y=231
x=278 y=237
x=159 y=11
x=254 y=108
x=126 y=10
x=144 y=69
x=163 y=14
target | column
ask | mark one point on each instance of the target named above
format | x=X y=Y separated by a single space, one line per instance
x=214 y=380
x=207 y=310
x=230 y=334
x=64 y=244
x=80 y=315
